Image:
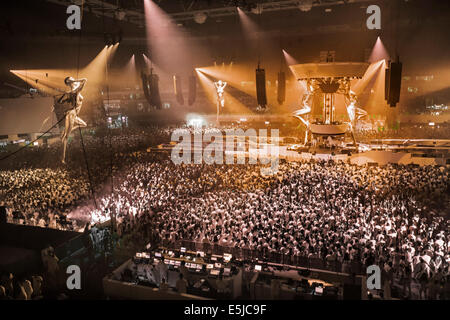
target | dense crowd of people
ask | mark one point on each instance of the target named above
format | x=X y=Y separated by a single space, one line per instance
x=412 y=131
x=41 y=197
x=39 y=191
x=395 y=216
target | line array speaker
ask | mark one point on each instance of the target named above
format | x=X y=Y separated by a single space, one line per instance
x=393 y=82
x=155 y=98
x=281 y=90
x=192 y=89
x=261 y=88
x=177 y=89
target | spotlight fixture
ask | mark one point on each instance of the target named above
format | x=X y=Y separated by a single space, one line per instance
x=200 y=17
x=120 y=14
x=305 y=5
x=109 y=38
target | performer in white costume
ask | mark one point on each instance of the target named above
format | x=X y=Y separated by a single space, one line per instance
x=354 y=113
x=220 y=87
x=306 y=106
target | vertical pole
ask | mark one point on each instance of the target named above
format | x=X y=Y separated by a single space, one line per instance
x=332 y=108
x=218 y=107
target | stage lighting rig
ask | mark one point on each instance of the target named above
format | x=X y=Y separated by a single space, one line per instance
x=113 y=38
x=120 y=14
x=257 y=8
x=200 y=17
x=108 y=39
x=305 y=5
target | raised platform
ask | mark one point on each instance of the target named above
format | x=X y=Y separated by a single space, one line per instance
x=329 y=70
x=329 y=129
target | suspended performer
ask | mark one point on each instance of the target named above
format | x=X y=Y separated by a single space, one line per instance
x=74 y=100
x=220 y=87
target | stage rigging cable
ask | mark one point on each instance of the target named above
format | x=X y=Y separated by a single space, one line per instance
x=104 y=109
x=79 y=128
x=58 y=122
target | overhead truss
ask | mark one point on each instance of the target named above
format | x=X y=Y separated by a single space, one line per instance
x=110 y=10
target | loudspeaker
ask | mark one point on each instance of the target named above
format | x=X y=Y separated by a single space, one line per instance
x=261 y=88
x=393 y=83
x=145 y=86
x=192 y=89
x=155 y=98
x=177 y=89
x=387 y=78
x=281 y=90
x=151 y=89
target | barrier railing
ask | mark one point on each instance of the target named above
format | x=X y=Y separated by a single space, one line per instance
x=265 y=255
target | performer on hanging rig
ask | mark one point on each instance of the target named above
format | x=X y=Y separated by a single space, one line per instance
x=311 y=86
x=220 y=87
x=74 y=99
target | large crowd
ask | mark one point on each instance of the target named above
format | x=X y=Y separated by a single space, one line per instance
x=395 y=216
x=411 y=131
x=38 y=190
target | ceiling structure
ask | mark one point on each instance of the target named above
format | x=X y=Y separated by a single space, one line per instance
x=132 y=10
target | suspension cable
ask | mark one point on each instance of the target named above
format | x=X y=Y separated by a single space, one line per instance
x=79 y=127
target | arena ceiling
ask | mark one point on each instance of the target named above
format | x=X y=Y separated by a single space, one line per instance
x=133 y=10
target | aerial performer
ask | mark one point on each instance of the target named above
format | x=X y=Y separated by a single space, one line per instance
x=74 y=100
x=306 y=106
x=354 y=113
x=220 y=87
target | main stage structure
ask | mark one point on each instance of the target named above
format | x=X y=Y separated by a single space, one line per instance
x=329 y=79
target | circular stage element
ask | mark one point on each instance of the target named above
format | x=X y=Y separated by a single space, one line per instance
x=333 y=70
x=329 y=129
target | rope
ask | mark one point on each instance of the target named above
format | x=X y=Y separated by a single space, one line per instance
x=79 y=128
x=20 y=149
x=258 y=40
x=107 y=116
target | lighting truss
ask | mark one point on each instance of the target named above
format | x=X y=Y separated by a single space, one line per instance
x=266 y=6
x=107 y=9
x=99 y=7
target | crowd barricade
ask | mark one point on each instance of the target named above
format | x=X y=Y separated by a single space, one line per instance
x=247 y=254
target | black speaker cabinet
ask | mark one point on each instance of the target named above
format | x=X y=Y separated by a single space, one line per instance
x=192 y=89
x=261 y=88
x=393 y=83
x=281 y=89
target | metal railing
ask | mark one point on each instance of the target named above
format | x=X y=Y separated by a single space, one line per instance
x=265 y=255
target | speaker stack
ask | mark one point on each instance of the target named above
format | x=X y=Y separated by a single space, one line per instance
x=145 y=86
x=151 y=89
x=392 y=83
x=261 y=88
x=192 y=89
x=281 y=89
x=177 y=89
x=155 y=98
